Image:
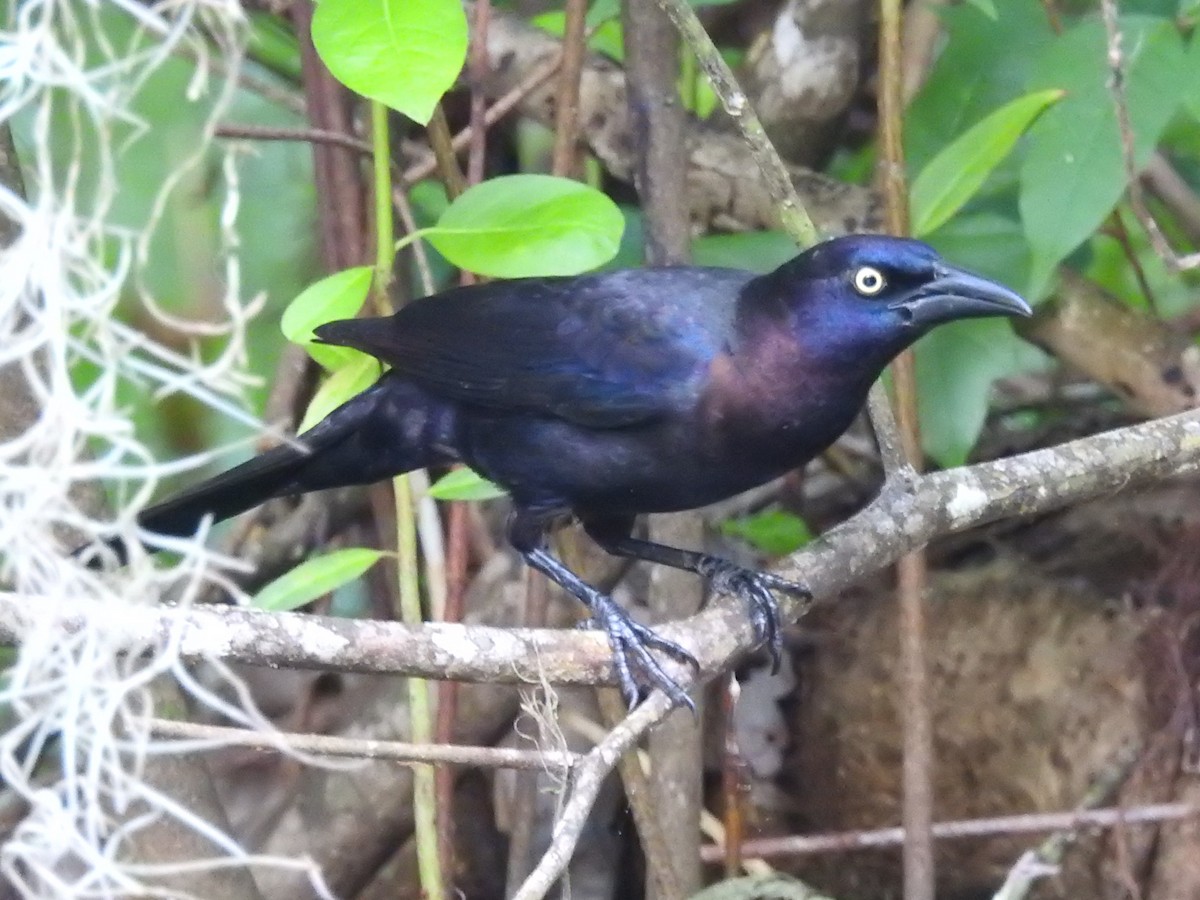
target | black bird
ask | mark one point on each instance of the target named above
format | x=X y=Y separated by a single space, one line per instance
x=608 y=395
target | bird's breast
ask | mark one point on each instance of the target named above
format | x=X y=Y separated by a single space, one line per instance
x=774 y=407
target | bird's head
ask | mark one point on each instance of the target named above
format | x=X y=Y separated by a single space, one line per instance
x=867 y=297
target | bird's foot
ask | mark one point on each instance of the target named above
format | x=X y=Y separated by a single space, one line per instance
x=755 y=588
x=631 y=644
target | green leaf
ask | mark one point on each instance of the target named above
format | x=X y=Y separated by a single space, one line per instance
x=272 y=44
x=606 y=37
x=404 y=53
x=988 y=242
x=758 y=251
x=953 y=176
x=774 y=532
x=347 y=381
x=956 y=365
x=1191 y=75
x=602 y=11
x=337 y=296
x=465 y=484
x=1073 y=173
x=315 y=578
x=985 y=64
x=522 y=225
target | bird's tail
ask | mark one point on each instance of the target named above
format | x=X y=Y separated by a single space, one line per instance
x=391 y=428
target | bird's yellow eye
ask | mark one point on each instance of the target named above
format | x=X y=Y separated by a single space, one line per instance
x=869 y=281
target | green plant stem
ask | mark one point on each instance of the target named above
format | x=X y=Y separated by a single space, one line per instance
x=688 y=74
x=420 y=715
x=792 y=215
x=419 y=707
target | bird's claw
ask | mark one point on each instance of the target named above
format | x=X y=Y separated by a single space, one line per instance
x=755 y=588
x=631 y=645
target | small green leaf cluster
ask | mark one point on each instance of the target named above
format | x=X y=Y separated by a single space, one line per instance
x=774 y=532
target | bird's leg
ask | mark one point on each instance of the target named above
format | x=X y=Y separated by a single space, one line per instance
x=631 y=642
x=613 y=534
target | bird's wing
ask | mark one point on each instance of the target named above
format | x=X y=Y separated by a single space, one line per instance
x=605 y=351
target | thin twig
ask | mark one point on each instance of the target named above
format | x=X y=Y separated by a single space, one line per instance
x=440 y=139
x=566 y=113
x=342 y=209
x=495 y=113
x=792 y=214
x=290 y=100
x=1122 y=236
x=1050 y=853
x=917 y=803
x=639 y=791
x=240 y=130
x=217 y=736
x=892 y=457
x=1174 y=193
x=733 y=780
x=590 y=773
x=478 y=69
x=1137 y=200
x=408 y=220
x=837 y=842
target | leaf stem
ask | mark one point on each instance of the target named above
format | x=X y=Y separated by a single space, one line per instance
x=420 y=714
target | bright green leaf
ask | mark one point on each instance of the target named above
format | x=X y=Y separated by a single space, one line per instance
x=956 y=365
x=953 y=176
x=1073 y=173
x=465 y=484
x=315 y=578
x=347 y=381
x=337 y=296
x=403 y=53
x=774 y=532
x=521 y=225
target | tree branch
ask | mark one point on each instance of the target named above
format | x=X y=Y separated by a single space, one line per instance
x=900 y=519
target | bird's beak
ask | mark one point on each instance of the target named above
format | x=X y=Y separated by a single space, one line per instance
x=958 y=294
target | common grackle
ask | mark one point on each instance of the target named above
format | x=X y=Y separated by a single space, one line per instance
x=608 y=395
